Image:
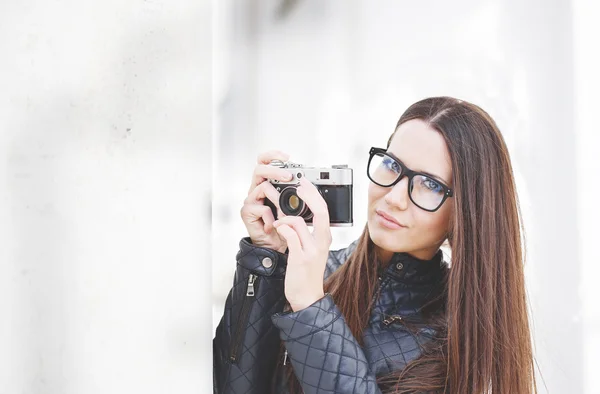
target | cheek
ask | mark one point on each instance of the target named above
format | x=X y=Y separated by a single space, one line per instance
x=375 y=193
x=433 y=224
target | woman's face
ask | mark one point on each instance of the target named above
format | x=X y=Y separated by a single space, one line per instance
x=421 y=148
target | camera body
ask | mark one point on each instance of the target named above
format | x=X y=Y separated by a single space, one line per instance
x=334 y=183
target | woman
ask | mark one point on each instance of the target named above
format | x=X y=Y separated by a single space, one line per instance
x=391 y=315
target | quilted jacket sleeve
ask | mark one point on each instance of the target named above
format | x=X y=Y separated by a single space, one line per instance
x=325 y=355
x=246 y=343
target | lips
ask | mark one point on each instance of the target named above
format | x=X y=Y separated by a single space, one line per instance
x=388 y=218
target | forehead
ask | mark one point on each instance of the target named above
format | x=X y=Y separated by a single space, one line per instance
x=422 y=148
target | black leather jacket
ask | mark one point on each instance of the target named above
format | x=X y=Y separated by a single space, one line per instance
x=325 y=355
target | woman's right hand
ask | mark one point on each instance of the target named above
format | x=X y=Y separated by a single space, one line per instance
x=258 y=217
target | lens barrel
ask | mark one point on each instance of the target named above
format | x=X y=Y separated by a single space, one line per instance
x=292 y=205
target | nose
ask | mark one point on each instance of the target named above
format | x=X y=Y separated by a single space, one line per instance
x=398 y=195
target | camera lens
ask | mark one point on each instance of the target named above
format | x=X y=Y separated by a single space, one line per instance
x=294 y=202
x=292 y=205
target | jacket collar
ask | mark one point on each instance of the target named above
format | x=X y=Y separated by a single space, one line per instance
x=409 y=269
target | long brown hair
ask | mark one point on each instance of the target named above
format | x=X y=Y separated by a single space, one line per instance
x=483 y=342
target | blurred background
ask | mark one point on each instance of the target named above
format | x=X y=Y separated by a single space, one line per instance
x=105 y=118
x=326 y=80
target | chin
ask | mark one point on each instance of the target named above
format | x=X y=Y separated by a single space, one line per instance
x=385 y=239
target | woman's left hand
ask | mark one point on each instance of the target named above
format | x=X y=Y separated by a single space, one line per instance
x=308 y=251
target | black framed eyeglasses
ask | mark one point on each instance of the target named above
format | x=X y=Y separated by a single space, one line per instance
x=426 y=192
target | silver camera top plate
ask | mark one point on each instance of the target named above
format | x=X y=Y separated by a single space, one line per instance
x=335 y=175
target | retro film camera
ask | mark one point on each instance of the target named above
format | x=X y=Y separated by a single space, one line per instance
x=334 y=183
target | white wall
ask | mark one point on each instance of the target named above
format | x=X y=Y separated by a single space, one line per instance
x=587 y=85
x=324 y=81
x=104 y=124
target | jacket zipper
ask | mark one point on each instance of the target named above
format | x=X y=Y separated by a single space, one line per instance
x=391 y=319
x=244 y=314
x=382 y=283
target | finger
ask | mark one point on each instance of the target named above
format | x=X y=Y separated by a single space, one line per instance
x=254 y=213
x=299 y=226
x=263 y=172
x=267 y=157
x=291 y=238
x=311 y=196
x=262 y=191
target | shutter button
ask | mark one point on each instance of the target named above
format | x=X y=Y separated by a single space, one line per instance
x=399 y=266
x=267 y=262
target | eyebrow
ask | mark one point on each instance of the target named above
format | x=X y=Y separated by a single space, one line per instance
x=439 y=178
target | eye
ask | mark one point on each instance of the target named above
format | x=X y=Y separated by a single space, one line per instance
x=431 y=185
x=391 y=164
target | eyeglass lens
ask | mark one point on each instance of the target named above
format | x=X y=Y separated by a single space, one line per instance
x=424 y=191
